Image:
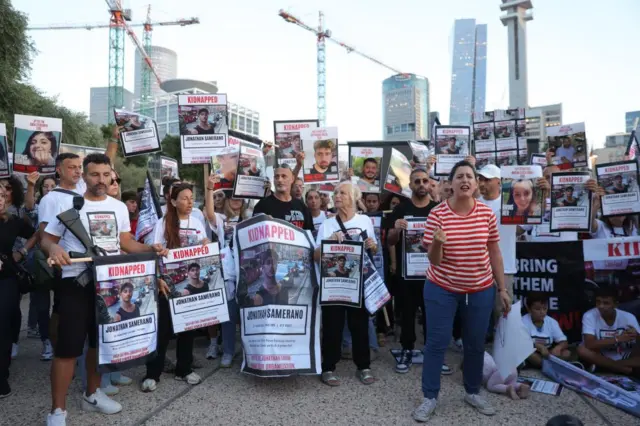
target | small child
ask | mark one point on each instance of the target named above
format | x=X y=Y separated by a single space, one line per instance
x=545 y=331
x=496 y=384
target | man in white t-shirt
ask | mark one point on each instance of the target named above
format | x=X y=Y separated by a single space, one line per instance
x=566 y=151
x=609 y=336
x=76 y=303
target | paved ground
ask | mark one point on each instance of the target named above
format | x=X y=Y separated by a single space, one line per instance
x=227 y=397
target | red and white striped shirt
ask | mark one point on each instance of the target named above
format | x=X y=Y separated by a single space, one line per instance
x=465 y=265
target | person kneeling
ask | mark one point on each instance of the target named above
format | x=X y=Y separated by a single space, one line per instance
x=545 y=331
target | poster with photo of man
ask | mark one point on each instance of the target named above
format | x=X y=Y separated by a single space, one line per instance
x=569 y=143
x=4 y=153
x=286 y=134
x=251 y=173
x=341 y=273
x=505 y=134
x=277 y=293
x=224 y=164
x=126 y=310
x=570 y=202
x=198 y=297
x=620 y=183
x=366 y=163
x=320 y=148
x=203 y=121
x=376 y=294
x=414 y=255
x=421 y=152
x=483 y=138
x=103 y=230
x=138 y=134
x=452 y=145
x=398 y=173
x=36 y=141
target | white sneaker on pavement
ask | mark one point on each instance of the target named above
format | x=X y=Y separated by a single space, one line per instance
x=14 y=350
x=191 y=378
x=212 y=352
x=425 y=410
x=227 y=360
x=47 y=351
x=149 y=385
x=57 y=418
x=100 y=403
x=480 y=404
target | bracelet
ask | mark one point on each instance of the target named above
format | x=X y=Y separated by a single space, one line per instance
x=210 y=189
x=502 y=289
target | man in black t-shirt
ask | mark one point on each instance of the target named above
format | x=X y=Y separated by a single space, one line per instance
x=281 y=205
x=203 y=127
x=340 y=271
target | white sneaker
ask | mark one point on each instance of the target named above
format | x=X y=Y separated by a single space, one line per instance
x=14 y=350
x=227 y=360
x=101 y=403
x=480 y=404
x=425 y=410
x=57 y=418
x=121 y=381
x=191 y=378
x=149 y=385
x=110 y=390
x=212 y=352
x=47 y=351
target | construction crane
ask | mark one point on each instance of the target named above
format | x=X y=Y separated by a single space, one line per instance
x=119 y=23
x=323 y=34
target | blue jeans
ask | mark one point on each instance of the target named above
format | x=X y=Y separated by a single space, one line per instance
x=373 y=339
x=440 y=306
x=105 y=379
x=229 y=328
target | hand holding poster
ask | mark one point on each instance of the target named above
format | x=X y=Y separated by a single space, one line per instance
x=203 y=126
x=452 y=145
x=320 y=147
x=570 y=202
x=251 y=174
x=366 y=163
x=376 y=294
x=398 y=174
x=198 y=297
x=569 y=143
x=414 y=255
x=286 y=135
x=138 y=134
x=36 y=141
x=126 y=310
x=620 y=183
x=522 y=200
x=341 y=273
x=4 y=157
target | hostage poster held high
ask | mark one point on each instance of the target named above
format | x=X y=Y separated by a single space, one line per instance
x=126 y=310
x=4 y=153
x=203 y=126
x=569 y=145
x=36 y=141
x=341 y=273
x=251 y=173
x=320 y=147
x=620 y=183
x=138 y=134
x=414 y=256
x=522 y=201
x=286 y=135
x=198 y=297
x=277 y=295
x=570 y=202
x=398 y=173
x=224 y=164
x=452 y=145
x=366 y=163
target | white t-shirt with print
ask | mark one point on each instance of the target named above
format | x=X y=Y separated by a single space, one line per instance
x=507 y=241
x=103 y=220
x=192 y=232
x=593 y=324
x=54 y=202
x=605 y=232
x=549 y=334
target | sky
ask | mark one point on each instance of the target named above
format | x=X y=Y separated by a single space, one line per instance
x=586 y=57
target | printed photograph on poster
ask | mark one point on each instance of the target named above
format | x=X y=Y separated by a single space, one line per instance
x=198 y=298
x=202 y=119
x=538 y=160
x=522 y=201
x=149 y=211
x=620 y=183
x=483 y=138
x=523 y=156
x=485 y=158
x=482 y=117
x=570 y=202
x=138 y=134
x=507 y=158
x=420 y=151
x=168 y=168
x=376 y=222
x=80 y=151
x=252 y=174
x=320 y=147
x=36 y=141
x=414 y=256
x=569 y=144
x=452 y=145
x=398 y=173
x=366 y=163
x=4 y=153
x=376 y=294
x=224 y=166
x=505 y=133
x=509 y=114
x=103 y=230
x=286 y=135
x=126 y=310
x=341 y=273
x=521 y=130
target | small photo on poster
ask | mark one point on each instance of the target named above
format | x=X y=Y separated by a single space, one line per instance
x=4 y=153
x=138 y=134
x=168 y=167
x=522 y=201
x=507 y=158
x=570 y=202
x=620 y=183
x=505 y=132
x=398 y=174
x=484 y=159
x=569 y=144
x=251 y=175
x=103 y=230
x=341 y=273
x=321 y=154
x=483 y=138
x=451 y=146
x=224 y=165
x=287 y=136
x=202 y=119
x=36 y=141
x=366 y=163
x=127 y=298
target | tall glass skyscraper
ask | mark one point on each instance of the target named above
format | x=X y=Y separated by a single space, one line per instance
x=405 y=108
x=629 y=119
x=468 y=71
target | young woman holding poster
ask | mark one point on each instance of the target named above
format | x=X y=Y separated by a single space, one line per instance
x=357 y=227
x=461 y=237
x=178 y=228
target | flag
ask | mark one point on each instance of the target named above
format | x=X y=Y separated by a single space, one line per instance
x=150 y=211
x=632 y=146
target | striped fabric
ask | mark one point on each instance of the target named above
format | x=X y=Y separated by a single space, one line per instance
x=465 y=265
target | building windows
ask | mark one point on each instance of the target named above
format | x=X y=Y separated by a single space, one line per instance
x=389 y=130
x=241 y=124
x=412 y=127
x=162 y=113
x=173 y=128
x=256 y=127
x=173 y=111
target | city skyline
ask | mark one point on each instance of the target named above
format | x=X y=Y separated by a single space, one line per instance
x=271 y=65
x=405 y=104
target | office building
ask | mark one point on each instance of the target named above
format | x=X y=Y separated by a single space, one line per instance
x=165 y=63
x=405 y=113
x=541 y=117
x=614 y=149
x=99 y=113
x=518 y=13
x=629 y=119
x=468 y=71
x=432 y=120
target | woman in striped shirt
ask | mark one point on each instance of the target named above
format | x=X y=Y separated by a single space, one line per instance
x=461 y=237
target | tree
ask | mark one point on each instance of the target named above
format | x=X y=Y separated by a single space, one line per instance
x=193 y=173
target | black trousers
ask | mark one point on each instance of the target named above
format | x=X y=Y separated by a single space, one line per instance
x=409 y=297
x=9 y=307
x=332 y=326
x=39 y=307
x=184 y=345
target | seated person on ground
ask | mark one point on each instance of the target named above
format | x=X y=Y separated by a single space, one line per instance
x=545 y=331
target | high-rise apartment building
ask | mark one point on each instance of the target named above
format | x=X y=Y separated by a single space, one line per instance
x=468 y=71
x=99 y=113
x=405 y=108
x=629 y=119
x=165 y=63
x=517 y=14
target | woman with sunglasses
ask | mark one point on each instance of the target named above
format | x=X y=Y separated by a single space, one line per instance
x=114 y=190
x=178 y=228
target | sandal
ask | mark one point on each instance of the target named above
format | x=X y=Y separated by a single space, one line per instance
x=366 y=376
x=330 y=378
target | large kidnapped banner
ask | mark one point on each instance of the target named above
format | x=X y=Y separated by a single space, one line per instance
x=570 y=272
x=126 y=310
x=277 y=294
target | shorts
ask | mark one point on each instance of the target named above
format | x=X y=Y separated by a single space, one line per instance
x=76 y=318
